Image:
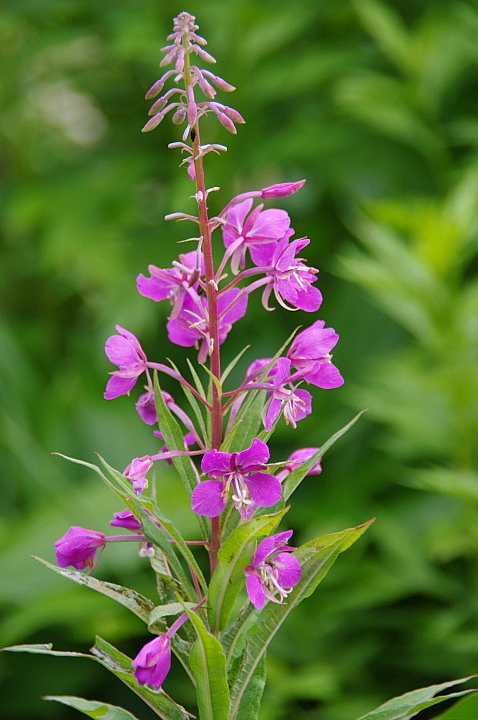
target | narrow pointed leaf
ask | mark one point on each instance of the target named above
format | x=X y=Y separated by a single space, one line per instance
x=44 y=649
x=120 y=665
x=251 y=699
x=234 y=555
x=294 y=478
x=131 y=599
x=159 y=536
x=316 y=558
x=406 y=706
x=93 y=708
x=208 y=664
x=167 y=610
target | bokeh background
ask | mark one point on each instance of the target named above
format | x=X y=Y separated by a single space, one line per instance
x=376 y=104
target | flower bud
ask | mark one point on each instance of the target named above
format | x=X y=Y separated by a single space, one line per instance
x=153 y=662
x=78 y=547
x=282 y=189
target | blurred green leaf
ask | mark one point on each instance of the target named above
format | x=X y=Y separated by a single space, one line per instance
x=408 y=705
x=93 y=708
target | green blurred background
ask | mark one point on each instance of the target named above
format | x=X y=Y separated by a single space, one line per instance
x=376 y=104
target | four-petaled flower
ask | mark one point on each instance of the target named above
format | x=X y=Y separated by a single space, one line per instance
x=172 y=283
x=153 y=662
x=273 y=572
x=78 y=547
x=310 y=354
x=125 y=351
x=241 y=472
x=290 y=279
x=191 y=326
x=294 y=403
x=257 y=232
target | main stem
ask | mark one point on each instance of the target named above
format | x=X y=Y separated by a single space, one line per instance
x=216 y=413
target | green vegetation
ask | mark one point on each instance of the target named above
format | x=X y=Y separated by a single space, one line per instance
x=376 y=104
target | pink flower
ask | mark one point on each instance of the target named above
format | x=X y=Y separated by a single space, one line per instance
x=153 y=662
x=310 y=355
x=273 y=572
x=290 y=279
x=256 y=232
x=125 y=351
x=172 y=283
x=298 y=457
x=240 y=472
x=125 y=519
x=136 y=472
x=78 y=547
x=281 y=190
x=146 y=408
x=294 y=403
x=191 y=326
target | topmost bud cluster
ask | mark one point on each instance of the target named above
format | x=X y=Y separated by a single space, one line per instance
x=185 y=39
x=184 y=42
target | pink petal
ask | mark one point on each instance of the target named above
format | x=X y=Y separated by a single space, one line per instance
x=256 y=454
x=207 y=498
x=264 y=489
x=117 y=386
x=215 y=462
x=288 y=568
x=269 y=545
x=255 y=590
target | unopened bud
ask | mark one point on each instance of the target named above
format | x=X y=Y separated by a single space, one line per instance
x=282 y=189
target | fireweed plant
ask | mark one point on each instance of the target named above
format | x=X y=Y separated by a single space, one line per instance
x=217 y=623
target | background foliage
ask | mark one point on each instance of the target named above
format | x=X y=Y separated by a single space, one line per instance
x=375 y=103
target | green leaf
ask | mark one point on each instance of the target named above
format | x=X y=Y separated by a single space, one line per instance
x=466 y=709
x=120 y=665
x=406 y=706
x=167 y=610
x=316 y=558
x=294 y=478
x=157 y=535
x=208 y=664
x=44 y=649
x=234 y=555
x=251 y=699
x=173 y=437
x=134 y=601
x=115 y=480
x=93 y=708
x=386 y=27
x=247 y=422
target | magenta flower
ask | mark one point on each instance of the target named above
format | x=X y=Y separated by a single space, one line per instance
x=243 y=473
x=310 y=354
x=146 y=408
x=172 y=283
x=298 y=457
x=290 y=279
x=136 y=473
x=294 y=403
x=256 y=231
x=191 y=326
x=125 y=351
x=153 y=662
x=125 y=519
x=78 y=547
x=273 y=572
x=281 y=190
